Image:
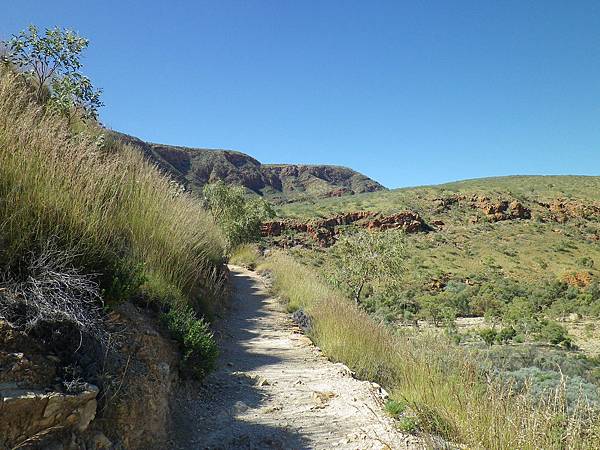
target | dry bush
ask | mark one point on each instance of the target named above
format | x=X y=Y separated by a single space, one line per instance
x=53 y=292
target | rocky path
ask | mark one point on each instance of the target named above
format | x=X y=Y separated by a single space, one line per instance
x=274 y=390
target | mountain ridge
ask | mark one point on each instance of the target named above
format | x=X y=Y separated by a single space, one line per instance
x=279 y=183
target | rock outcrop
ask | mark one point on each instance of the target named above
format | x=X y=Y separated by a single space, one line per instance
x=40 y=409
x=139 y=416
x=578 y=279
x=408 y=221
x=498 y=210
x=31 y=418
x=562 y=210
x=326 y=231
x=494 y=210
x=36 y=408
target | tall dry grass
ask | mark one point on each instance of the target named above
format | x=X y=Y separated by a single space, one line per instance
x=442 y=384
x=110 y=207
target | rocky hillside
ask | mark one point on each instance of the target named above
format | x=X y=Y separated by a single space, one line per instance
x=527 y=227
x=279 y=183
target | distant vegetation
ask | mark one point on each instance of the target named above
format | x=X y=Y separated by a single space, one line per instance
x=416 y=198
x=475 y=263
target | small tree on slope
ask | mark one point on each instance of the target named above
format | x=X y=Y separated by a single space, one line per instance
x=50 y=63
x=366 y=256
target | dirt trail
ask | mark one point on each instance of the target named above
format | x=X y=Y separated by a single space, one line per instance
x=274 y=390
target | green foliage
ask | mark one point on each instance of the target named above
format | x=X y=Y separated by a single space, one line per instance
x=408 y=425
x=364 y=257
x=554 y=333
x=200 y=350
x=586 y=261
x=124 y=281
x=521 y=315
x=543 y=382
x=437 y=308
x=74 y=94
x=50 y=62
x=239 y=215
x=114 y=210
x=506 y=334
x=488 y=335
x=395 y=408
x=491 y=335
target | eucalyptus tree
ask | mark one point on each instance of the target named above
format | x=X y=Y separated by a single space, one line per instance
x=50 y=62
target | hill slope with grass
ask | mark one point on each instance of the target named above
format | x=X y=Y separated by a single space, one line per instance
x=279 y=183
x=107 y=272
x=523 y=227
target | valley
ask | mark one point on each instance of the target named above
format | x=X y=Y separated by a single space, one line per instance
x=155 y=296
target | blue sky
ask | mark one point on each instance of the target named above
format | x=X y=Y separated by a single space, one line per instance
x=407 y=92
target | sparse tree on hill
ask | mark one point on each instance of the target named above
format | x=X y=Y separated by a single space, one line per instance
x=364 y=257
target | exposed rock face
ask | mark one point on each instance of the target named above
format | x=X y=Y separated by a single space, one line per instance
x=578 y=279
x=34 y=409
x=32 y=416
x=408 y=221
x=563 y=210
x=132 y=410
x=499 y=210
x=325 y=231
x=445 y=203
x=140 y=418
x=493 y=210
x=195 y=167
x=23 y=361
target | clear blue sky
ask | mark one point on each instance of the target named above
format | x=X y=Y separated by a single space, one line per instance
x=407 y=92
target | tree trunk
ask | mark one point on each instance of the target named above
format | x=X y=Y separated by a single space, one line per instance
x=357 y=293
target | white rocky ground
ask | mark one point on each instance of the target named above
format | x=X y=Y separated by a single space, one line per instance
x=274 y=390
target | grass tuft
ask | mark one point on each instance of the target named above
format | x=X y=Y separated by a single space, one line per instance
x=245 y=255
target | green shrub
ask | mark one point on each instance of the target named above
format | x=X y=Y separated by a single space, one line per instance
x=200 y=350
x=238 y=214
x=586 y=261
x=364 y=257
x=488 y=335
x=126 y=279
x=544 y=383
x=506 y=334
x=408 y=425
x=394 y=408
x=556 y=334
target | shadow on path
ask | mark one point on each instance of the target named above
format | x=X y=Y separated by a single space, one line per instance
x=215 y=413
